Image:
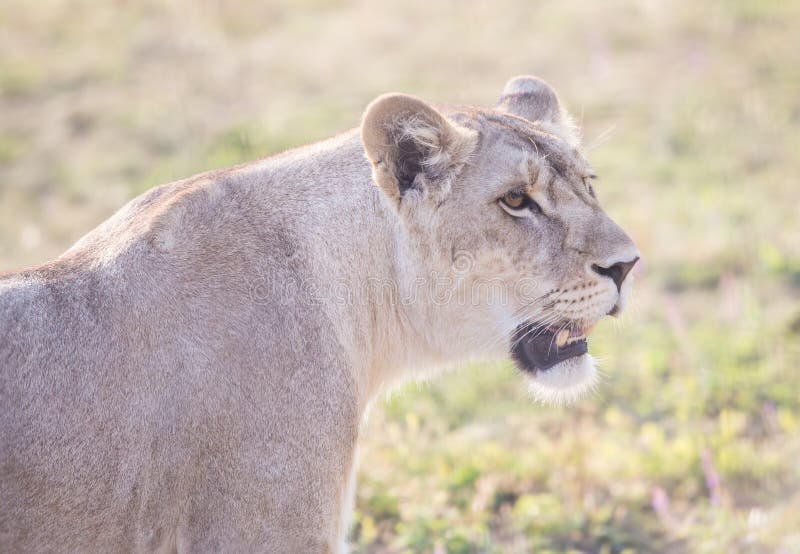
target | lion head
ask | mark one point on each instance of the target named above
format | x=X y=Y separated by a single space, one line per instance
x=500 y=203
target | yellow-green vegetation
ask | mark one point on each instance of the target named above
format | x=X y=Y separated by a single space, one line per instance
x=691 y=114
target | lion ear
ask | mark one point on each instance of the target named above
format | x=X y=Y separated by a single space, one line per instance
x=531 y=98
x=412 y=146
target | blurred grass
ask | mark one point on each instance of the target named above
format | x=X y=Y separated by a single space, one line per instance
x=691 y=113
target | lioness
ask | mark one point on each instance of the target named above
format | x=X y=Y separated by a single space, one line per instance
x=191 y=374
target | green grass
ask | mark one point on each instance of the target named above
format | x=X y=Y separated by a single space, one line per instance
x=692 y=116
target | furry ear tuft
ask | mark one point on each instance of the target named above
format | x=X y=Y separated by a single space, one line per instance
x=412 y=146
x=533 y=99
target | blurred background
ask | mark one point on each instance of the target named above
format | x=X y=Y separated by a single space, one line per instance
x=691 y=116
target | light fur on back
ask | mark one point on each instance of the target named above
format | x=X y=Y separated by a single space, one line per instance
x=190 y=376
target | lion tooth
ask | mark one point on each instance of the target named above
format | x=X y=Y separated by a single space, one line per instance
x=562 y=338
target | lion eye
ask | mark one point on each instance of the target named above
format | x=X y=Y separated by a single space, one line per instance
x=518 y=204
x=514 y=200
x=587 y=181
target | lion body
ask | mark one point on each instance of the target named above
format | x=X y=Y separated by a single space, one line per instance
x=154 y=398
x=191 y=375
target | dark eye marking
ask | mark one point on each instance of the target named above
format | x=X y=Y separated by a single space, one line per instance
x=587 y=181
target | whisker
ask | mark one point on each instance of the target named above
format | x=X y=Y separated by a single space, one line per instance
x=602 y=137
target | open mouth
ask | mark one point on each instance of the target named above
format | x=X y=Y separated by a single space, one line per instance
x=537 y=348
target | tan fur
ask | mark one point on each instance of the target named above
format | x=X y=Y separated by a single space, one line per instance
x=190 y=376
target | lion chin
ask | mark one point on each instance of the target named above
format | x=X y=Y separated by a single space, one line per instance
x=565 y=382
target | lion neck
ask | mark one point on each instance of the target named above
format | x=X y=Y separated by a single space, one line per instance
x=417 y=317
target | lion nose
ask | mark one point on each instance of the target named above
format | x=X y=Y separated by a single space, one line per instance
x=617 y=272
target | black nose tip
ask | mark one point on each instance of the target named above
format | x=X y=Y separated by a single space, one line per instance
x=616 y=272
